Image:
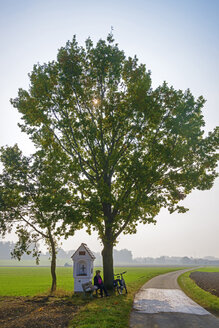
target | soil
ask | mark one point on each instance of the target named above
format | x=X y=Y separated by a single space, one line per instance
x=209 y=281
x=36 y=312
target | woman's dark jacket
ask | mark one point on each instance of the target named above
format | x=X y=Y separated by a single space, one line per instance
x=96 y=281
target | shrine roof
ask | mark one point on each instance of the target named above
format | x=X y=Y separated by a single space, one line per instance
x=87 y=249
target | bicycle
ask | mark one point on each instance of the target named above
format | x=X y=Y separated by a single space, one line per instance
x=119 y=283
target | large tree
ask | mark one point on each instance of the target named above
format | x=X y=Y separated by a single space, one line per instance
x=135 y=149
x=35 y=202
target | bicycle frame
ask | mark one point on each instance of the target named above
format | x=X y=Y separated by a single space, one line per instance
x=119 y=282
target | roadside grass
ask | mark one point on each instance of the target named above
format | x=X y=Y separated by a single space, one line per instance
x=205 y=299
x=114 y=311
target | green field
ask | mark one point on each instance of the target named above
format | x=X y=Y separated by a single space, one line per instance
x=111 y=312
x=207 y=300
x=29 y=281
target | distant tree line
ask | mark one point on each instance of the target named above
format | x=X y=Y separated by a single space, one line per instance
x=5 y=250
x=175 y=260
x=121 y=257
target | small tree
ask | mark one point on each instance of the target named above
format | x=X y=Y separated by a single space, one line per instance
x=35 y=201
x=135 y=149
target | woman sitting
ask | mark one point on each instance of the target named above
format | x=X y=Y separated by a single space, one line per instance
x=98 y=282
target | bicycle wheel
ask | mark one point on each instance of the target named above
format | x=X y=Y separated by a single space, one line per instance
x=126 y=291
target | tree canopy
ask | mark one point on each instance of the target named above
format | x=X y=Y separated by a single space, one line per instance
x=35 y=202
x=133 y=149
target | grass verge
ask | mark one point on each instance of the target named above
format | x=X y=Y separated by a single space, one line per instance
x=205 y=299
x=114 y=311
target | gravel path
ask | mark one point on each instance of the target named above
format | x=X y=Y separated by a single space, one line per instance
x=161 y=303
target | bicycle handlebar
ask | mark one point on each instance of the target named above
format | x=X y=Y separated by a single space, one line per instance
x=117 y=274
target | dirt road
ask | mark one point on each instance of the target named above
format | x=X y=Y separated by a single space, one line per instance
x=161 y=303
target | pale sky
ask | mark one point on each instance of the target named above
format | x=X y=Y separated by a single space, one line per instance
x=177 y=40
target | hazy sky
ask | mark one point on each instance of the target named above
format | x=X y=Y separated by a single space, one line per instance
x=177 y=40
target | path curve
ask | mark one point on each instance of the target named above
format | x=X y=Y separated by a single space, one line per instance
x=160 y=303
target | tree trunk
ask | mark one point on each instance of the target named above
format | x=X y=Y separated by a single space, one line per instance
x=107 y=254
x=53 y=263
